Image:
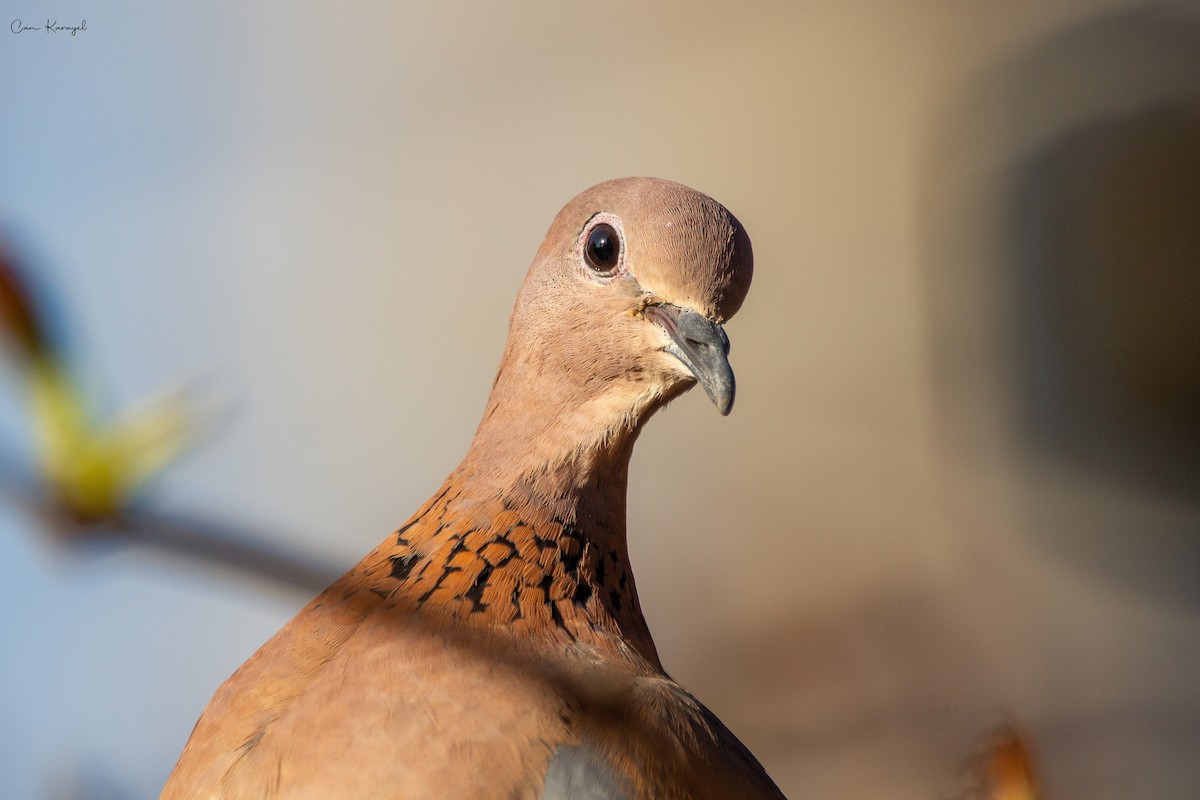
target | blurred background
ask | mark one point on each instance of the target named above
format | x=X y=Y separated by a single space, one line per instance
x=961 y=486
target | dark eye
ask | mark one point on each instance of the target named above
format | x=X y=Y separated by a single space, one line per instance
x=603 y=249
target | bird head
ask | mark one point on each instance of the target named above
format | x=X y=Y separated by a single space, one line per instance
x=628 y=294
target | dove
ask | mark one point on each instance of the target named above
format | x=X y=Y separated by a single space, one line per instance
x=494 y=646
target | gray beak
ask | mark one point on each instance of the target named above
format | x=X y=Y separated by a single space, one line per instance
x=702 y=346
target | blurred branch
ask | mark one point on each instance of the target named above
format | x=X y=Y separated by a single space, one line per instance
x=215 y=543
x=225 y=546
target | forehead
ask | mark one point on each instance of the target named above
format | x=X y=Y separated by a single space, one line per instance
x=679 y=244
x=654 y=204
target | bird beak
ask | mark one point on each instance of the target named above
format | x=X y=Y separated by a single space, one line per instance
x=702 y=346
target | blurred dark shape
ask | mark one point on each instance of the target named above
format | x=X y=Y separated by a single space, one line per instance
x=1063 y=217
x=18 y=316
x=1106 y=241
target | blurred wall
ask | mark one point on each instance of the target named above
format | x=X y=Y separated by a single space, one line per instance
x=961 y=479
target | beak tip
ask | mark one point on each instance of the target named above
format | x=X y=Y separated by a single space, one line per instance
x=720 y=390
x=724 y=402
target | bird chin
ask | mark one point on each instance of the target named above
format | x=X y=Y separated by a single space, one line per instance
x=675 y=368
x=675 y=376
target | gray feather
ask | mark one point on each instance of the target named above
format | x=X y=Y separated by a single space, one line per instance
x=579 y=773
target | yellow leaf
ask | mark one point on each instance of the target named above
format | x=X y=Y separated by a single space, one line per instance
x=96 y=470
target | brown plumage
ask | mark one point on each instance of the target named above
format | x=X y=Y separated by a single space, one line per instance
x=493 y=646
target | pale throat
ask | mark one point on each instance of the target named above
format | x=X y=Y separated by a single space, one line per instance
x=563 y=447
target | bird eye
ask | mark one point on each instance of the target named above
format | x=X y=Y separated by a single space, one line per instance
x=603 y=249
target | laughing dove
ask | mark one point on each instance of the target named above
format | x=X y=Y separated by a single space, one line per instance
x=494 y=646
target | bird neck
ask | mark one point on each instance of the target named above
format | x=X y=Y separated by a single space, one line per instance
x=528 y=533
x=573 y=463
x=564 y=432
